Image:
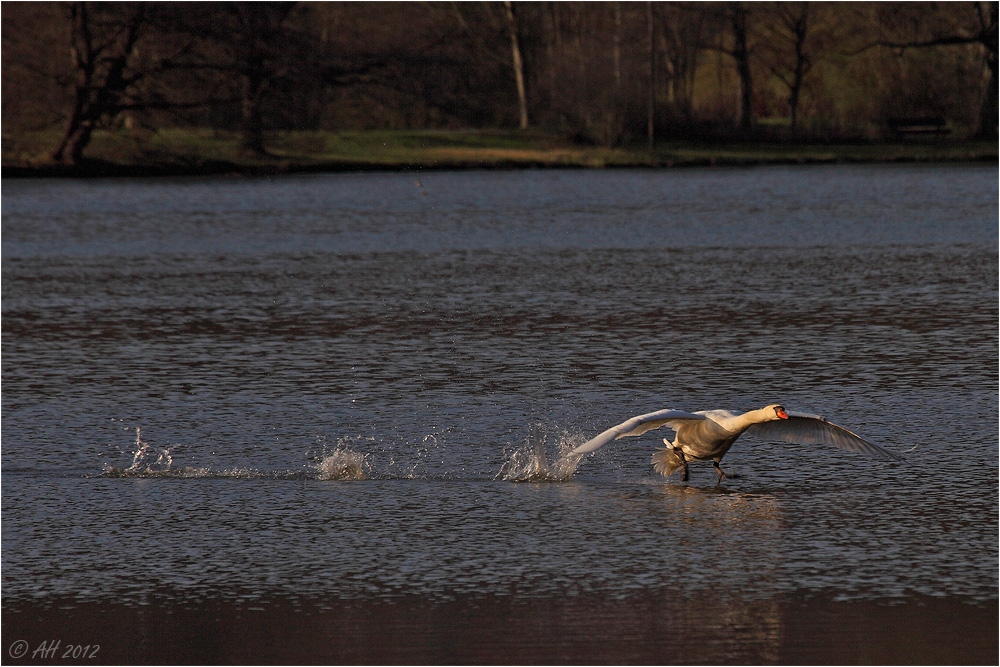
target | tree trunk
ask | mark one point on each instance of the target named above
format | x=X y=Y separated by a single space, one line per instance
x=78 y=128
x=70 y=149
x=617 y=52
x=651 y=109
x=988 y=116
x=794 y=91
x=800 y=31
x=741 y=53
x=252 y=119
x=518 y=62
x=100 y=63
x=793 y=107
x=62 y=152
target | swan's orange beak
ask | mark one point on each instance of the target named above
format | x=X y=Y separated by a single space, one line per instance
x=781 y=413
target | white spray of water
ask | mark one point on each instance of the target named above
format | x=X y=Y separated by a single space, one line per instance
x=342 y=463
x=151 y=461
x=530 y=463
x=144 y=452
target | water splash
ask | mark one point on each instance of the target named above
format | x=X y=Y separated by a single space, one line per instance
x=343 y=463
x=531 y=464
x=180 y=473
x=147 y=461
x=354 y=459
x=142 y=452
x=150 y=461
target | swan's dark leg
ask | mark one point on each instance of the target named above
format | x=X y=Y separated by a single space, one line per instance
x=718 y=470
x=722 y=475
x=684 y=464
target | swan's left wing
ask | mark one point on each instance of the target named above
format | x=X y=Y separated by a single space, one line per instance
x=638 y=426
x=809 y=429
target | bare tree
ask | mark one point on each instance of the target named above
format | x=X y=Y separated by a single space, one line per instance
x=102 y=44
x=680 y=41
x=485 y=30
x=126 y=58
x=975 y=24
x=734 y=41
x=599 y=72
x=616 y=52
x=100 y=47
x=651 y=54
x=791 y=58
x=740 y=52
x=251 y=42
x=518 y=63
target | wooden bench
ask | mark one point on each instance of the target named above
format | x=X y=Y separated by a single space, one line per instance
x=925 y=125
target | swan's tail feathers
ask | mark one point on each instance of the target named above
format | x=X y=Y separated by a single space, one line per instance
x=666 y=461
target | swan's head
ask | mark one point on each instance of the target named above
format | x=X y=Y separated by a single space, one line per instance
x=779 y=412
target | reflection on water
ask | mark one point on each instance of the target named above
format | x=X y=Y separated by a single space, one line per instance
x=647 y=629
x=324 y=386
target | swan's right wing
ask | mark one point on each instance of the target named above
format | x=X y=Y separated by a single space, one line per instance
x=810 y=429
x=638 y=426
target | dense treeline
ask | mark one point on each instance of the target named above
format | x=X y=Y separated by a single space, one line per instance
x=607 y=73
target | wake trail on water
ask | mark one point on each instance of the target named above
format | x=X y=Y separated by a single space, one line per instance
x=536 y=460
x=151 y=461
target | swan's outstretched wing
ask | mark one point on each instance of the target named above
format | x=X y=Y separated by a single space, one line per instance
x=638 y=426
x=809 y=429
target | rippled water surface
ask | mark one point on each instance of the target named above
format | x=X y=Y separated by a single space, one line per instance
x=331 y=386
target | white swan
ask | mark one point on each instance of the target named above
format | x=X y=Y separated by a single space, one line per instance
x=709 y=434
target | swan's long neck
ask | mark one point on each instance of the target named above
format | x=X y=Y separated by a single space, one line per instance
x=744 y=421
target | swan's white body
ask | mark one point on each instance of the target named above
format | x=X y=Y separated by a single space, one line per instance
x=708 y=435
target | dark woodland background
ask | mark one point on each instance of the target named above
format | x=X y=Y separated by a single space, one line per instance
x=607 y=73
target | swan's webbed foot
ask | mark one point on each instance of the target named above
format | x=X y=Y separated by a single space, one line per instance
x=684 y=464
x=722 y=475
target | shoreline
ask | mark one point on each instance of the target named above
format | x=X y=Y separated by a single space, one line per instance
x=100 y=169
x=172 y=153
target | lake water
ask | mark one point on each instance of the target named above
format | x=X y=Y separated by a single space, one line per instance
x=293 y=419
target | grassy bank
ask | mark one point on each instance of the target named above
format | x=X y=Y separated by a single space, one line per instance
x=187 y=151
